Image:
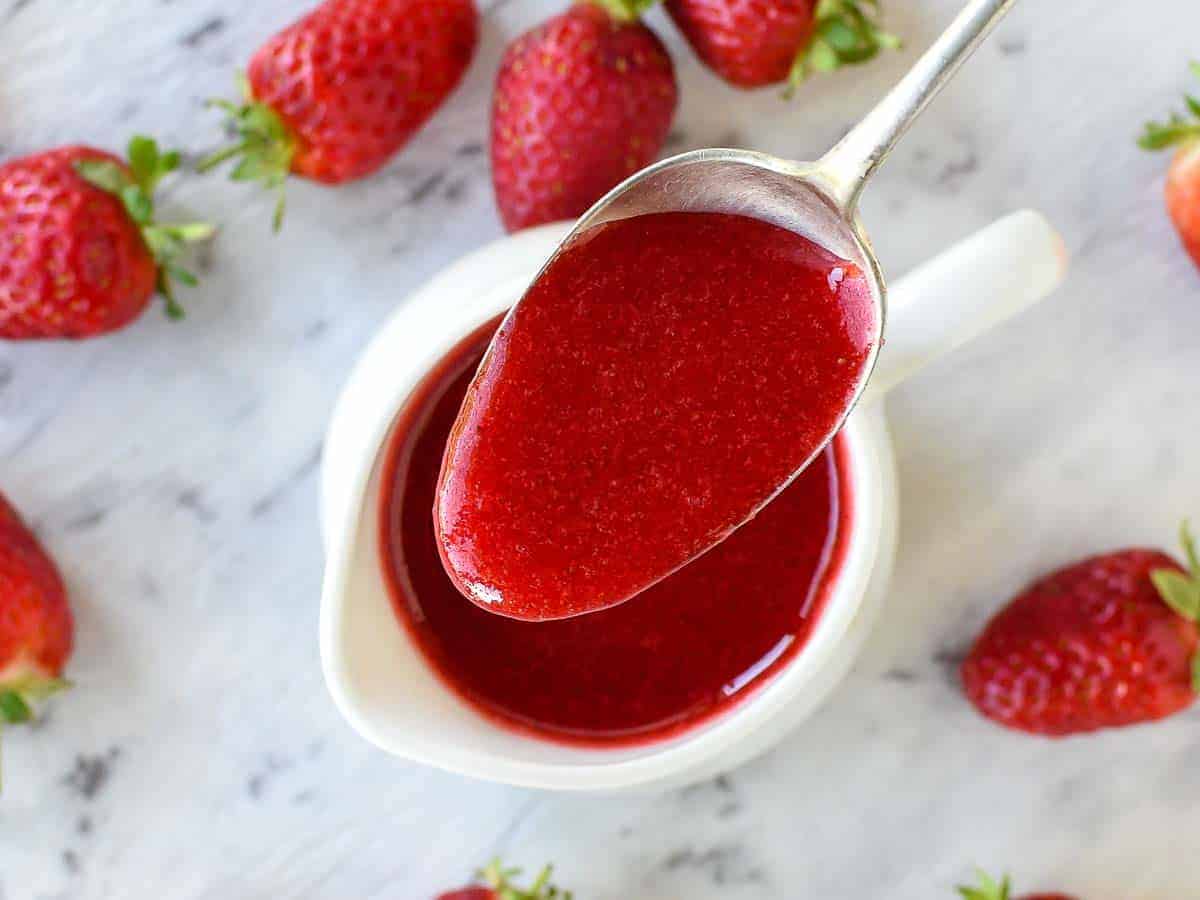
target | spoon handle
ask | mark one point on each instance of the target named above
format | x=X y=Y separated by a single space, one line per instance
x=856 y=156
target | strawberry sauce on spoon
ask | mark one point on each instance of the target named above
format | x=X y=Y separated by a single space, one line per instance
x=664 y=378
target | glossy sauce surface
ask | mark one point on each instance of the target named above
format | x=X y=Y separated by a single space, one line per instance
x=661 y=380
x=669 y=659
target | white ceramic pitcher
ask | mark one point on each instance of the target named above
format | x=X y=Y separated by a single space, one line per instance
x=379 y=678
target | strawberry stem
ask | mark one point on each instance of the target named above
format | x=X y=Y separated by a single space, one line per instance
x=135 y=189
x=264 y=148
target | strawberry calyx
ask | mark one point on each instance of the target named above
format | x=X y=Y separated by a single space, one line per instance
x=845 y=33
x=134 y=187
x=1181 y=590
x=264 y=148
x=1179 y=129
x=987 y=888
x=499 y=879
x=19 y=696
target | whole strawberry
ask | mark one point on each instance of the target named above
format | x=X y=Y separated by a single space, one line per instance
x=334 y=95
x=581 y=102
x=1109 y=641
x=80 y=253
x=35 y=621
x=1182 y=133
x=497 y=885
x=751 y=43
x=990 y=889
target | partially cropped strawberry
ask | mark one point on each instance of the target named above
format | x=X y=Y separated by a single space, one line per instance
x=497 y=885
x=334 y=95
x=35 y=621
x=1181 y=132
x=581 y=102
x=990 y=889
x=80 y=252
x=751 y=43
x=1106 y=642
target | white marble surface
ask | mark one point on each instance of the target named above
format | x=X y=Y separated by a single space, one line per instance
x=172 y=470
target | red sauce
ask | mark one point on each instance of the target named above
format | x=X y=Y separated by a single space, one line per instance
x=664 y=377
x=683 y=651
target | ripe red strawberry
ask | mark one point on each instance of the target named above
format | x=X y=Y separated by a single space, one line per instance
x=751 y=43
x=582 y=101
x=989 y=889
x=1106 y=642
x=80 y=253
x=1181 y=132
x=497 y=885
x=334 y=95
x=35 y=621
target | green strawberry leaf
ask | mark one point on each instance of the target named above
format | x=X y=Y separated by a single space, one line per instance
x=1179 y=591
x=499 y=879
x=838 y=34
x=103 y=173
x=137 y=203
x=823 y=57
x=987 y=889
x=1177 y=129
x=625 y=10
x=845 y=34
x=191 y=232
x=13 y=708
x=142 y=154
x=182 y=275
x=1189 y=548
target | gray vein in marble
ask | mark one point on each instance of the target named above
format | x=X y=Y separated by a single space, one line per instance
x=192 y=500
x=70 y=860
x=425 y=188
x=301 y=474
x=91 y=773
x=724 y=864
x=316 y=329
x=273 y=766
x=519 y=818
x=202 y=32
x=17 y=6
x=1012 y=46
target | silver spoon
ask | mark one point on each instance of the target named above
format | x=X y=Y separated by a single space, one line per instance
x=817 y=199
